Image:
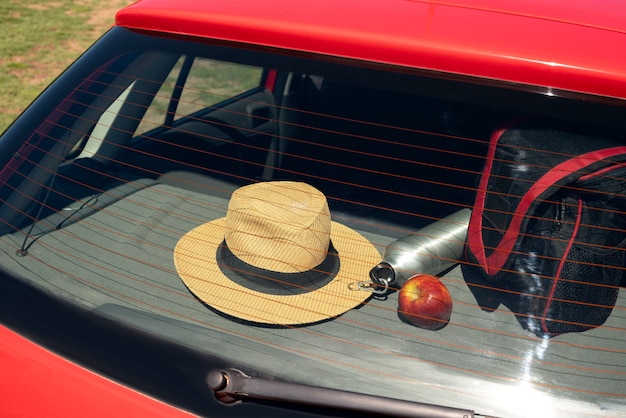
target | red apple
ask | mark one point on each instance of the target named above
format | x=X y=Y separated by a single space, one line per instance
x=425 y=301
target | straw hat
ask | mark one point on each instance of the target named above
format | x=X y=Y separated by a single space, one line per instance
x=276 y=258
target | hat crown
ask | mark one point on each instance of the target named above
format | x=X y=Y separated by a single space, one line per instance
x=279 y=226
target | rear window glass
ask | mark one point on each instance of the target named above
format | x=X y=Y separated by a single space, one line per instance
x=143 y=194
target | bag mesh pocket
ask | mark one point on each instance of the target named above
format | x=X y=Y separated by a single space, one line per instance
x=586 y=293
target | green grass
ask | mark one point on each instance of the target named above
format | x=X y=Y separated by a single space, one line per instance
x=38 y=39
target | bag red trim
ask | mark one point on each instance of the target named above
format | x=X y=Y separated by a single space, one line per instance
x=493 y=263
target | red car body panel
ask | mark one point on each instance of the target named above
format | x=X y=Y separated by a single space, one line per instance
x=40 y=383
x=571 y=47
x=575 y=47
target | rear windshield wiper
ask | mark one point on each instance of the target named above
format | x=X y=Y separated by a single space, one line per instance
x=232 y=386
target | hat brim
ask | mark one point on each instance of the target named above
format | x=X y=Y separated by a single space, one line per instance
x=196 y=264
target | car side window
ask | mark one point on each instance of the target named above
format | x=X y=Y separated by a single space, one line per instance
x=195 y=84
x=156 y=112
x=210 y=82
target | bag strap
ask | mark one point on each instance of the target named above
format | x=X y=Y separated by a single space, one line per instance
x=493 y=263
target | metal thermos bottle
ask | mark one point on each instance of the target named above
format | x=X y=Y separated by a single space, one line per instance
x=429 y=250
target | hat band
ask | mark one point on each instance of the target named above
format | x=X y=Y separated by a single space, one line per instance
x=277 y=283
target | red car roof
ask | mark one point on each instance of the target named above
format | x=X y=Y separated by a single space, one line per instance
x=577 y=46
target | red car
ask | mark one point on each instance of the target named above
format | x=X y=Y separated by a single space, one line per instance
x=400 y=208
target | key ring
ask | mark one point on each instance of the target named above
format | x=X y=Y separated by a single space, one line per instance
x=370 y=286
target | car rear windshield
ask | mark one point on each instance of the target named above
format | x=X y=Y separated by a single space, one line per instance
x=147 y=187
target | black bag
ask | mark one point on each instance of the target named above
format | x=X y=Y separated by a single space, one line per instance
x=548 y=228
